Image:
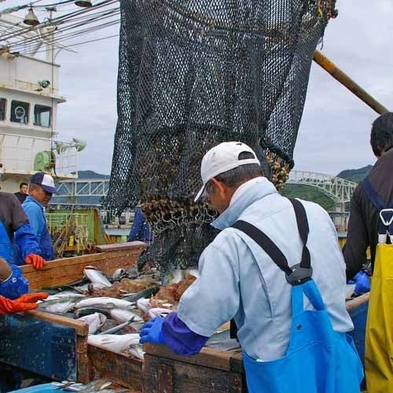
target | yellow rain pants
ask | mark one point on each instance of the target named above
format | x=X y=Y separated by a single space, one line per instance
x=379 y=332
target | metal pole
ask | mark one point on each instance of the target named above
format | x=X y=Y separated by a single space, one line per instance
x=349 y=83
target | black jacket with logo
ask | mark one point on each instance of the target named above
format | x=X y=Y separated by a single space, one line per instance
x=363 y=219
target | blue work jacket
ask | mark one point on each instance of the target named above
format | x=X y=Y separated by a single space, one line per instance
x=36 y=214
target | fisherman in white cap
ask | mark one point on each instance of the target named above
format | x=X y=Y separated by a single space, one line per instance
x=261 y=284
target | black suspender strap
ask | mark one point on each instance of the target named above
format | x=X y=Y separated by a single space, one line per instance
x=297 y=274
x=302 y=223
x=266 y=243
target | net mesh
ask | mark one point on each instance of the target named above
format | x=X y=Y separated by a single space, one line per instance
x=196 y=73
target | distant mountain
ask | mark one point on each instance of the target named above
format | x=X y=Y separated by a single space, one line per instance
x=91 y=175
x=355 y=175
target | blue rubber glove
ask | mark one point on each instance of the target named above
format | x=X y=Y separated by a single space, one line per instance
x=151 y=332
x=362 y=281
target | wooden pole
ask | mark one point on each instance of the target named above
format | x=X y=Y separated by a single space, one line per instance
x=349 y=83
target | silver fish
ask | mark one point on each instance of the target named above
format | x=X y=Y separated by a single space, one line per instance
x=136 y=350
x=95 y=321
x=159 y=312
x=104 y=302
x=92 y=387
x=94 y=286
x=58 y=305
x=143 y=304
x=117 y=328
x=96 y=276
x=114 y=342
x=65 y=294
x=119 y=273
x=121 y=315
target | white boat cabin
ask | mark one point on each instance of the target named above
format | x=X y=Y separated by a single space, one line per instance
x=29 y=95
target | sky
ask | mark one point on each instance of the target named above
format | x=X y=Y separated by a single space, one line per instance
x=335 y=127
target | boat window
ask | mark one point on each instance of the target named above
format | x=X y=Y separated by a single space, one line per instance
x=20 y=112
x=3 y=103
x=42 y=115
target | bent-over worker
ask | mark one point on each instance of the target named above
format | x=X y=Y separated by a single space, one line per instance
x=283 y=348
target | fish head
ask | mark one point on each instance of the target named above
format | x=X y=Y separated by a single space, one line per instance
x=119 y=273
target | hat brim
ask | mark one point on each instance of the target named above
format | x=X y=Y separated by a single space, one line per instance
x=201 y=192
x=49 y=189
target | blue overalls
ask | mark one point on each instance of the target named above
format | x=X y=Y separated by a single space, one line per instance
x=318 y=359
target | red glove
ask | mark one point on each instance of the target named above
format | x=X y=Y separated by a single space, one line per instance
x=35 y=260
x=23 y=303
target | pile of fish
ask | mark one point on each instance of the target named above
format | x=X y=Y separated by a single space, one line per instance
x=96 y=386
x=115 y=308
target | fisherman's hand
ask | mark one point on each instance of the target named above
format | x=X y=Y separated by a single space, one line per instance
x=362 y=281
x=32 y=297
x=35 y=260
x=151 y=332
x=23 y=303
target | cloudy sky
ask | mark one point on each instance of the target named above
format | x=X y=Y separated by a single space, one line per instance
x=334 y=132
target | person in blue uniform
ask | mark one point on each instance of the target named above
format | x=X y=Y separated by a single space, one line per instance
x=140 y=229
x=41 y=189
x=18 y=243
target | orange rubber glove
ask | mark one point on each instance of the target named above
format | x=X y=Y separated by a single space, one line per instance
x=23 y=303
x=35 y=260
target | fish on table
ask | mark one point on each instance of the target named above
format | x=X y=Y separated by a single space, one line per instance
x=60 y=304
x=122 y=315
x=95 y=321
x=119 y=343
x=96 y=276
x=104 y=302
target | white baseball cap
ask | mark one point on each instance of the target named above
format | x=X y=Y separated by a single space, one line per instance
x=222 y=158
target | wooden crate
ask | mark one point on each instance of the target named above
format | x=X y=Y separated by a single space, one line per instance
x=91 y=361
x=122 y=369
x=63 y=271
x=210 y=371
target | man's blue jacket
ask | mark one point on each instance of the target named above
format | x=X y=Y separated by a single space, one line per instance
x=36 y=215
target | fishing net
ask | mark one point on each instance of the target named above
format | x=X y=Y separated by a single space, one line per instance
x=196 y=73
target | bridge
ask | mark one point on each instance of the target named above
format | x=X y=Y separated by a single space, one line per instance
x=91 y=191
x=339 y=190
x=86 y=192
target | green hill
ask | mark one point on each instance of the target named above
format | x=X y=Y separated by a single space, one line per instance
x=355 y=175
x=308 y=193
x=91 y=175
